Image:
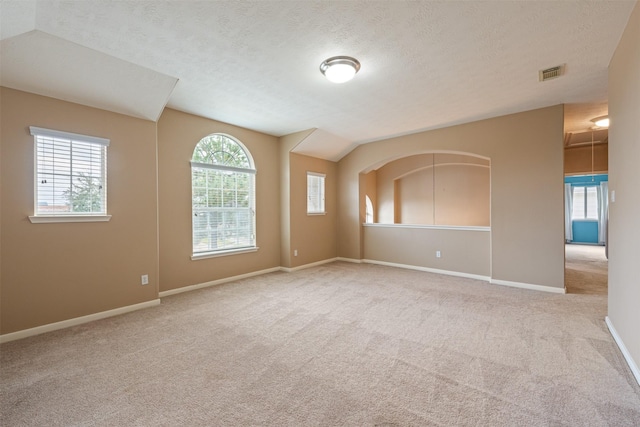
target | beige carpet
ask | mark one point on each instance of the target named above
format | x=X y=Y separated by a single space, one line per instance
x=586 y=269
x=336 y=345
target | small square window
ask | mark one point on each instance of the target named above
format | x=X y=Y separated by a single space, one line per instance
x=70 y=175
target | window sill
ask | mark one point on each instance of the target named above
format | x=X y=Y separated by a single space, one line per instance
x=39 y=219
x=315 y=213
x=217 y=254
x=432 y=227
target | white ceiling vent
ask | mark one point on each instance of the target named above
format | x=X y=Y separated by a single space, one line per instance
x=551 y=73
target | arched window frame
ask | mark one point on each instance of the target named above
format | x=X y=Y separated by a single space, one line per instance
x=368 y=210
x=222 y=197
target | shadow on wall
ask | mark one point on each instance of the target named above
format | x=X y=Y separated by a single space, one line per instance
x=449 y=189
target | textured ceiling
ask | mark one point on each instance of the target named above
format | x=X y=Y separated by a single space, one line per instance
x=84 y=76
x=578 y=117
x=255 y=64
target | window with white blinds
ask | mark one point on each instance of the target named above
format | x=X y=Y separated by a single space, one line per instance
x=223 y=197
x=315 y=193
x=70 y=174
x=585 y=202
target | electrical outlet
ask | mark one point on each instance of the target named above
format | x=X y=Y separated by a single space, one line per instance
x=438 y=254
x=144 y=279
x=295 y=252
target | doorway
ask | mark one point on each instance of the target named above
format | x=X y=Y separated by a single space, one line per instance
x=586 y=269
x=586 y=146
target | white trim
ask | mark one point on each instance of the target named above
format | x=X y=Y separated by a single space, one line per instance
x=353 y=260
x=222 y=167
x=76 y=321
x=36 y=131
x=321 y=175
x=215 y=282
x=313 y=264
x=433 y=227
x=206 y=255
x=428 y=269
x=40 y=219
x=627 y=356
x=528 y=286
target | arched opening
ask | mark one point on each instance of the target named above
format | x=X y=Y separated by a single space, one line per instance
x=430 y=211
x=452 y=189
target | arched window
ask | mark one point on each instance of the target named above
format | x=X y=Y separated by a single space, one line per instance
x=368 y=210
x=223 y=196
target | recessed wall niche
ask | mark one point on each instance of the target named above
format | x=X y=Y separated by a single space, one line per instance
x=432 y=189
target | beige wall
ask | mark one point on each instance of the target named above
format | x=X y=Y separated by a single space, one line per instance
x=462 y=195
x=58 y=271
x=435 y=189
x=577 y=160
x=526 y=153
x=462 y=251
x=624 y=213
x=313 y=236
x=388 y=212
x=286 y=144
x=413 y=197
x=178 y=134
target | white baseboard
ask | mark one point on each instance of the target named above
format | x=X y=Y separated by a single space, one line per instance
x=627 y=356
x=76 y=321
x=429 y=270
x=313 y=264
x=353 y=260
x=528 y=286
x=216 y=282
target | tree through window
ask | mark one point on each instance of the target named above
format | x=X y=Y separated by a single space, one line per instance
x=223 y=196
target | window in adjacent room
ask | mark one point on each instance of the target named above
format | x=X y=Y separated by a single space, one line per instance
x=222 y=197
x=315 y=193
x=70 y=177
x=368 y=210
x=585 y=202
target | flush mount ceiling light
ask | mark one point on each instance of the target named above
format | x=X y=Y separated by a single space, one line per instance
x=601 y=122
x=339 y=69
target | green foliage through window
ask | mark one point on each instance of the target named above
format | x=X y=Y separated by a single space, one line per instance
x=85 y=194
x=219 y=149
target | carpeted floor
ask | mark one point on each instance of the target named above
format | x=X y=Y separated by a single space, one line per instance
x=336 y=345
x=586 y=269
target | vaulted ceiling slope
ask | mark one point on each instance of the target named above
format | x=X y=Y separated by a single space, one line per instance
x=425 y=64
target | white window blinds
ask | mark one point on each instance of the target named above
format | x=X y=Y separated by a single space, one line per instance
x=585 y=203
x=70 y=173
x=315 y=193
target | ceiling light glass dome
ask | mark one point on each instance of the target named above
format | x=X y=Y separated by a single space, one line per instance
x=340 y=69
